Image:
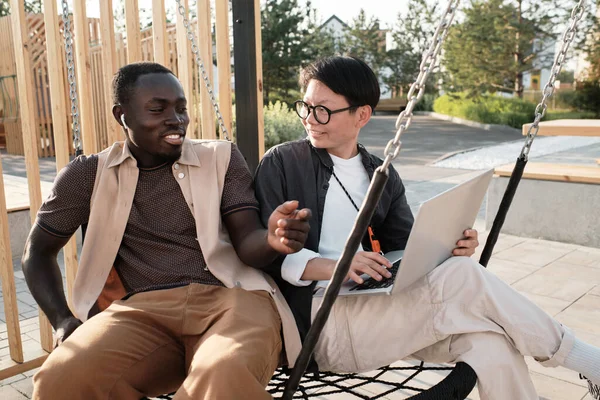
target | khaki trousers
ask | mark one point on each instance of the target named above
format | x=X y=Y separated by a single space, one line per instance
x=205 y=342
x=458 y=312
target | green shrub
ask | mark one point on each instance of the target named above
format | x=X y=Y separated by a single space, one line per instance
x=487 y=109
x=281 y=124
x=426 y=103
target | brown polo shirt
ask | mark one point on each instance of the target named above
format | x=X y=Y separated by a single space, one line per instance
x=159 y=248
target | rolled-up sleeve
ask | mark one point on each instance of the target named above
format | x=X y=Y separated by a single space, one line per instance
x=293 y=266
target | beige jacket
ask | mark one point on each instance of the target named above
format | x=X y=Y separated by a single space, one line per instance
x=200 y=173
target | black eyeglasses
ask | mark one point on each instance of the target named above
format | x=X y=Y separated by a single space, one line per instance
x=321 y=113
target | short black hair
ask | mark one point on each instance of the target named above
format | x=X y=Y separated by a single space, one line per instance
x=126 y=77
x=347 y=76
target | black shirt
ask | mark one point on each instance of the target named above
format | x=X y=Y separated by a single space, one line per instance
x=298 y=171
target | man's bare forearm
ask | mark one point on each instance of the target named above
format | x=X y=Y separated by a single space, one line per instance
x=255 y=251
x=44 y=279
x=43 y=275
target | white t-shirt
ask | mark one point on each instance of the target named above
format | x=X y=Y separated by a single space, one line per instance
x=338 y=218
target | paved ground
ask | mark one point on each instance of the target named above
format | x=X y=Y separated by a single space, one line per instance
x=562 y=279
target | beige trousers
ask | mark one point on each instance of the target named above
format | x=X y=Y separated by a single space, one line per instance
x=458 y=312
x=205 y=342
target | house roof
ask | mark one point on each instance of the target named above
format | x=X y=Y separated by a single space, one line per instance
x=332 y=18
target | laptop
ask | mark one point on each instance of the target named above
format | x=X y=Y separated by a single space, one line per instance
x=439 y=224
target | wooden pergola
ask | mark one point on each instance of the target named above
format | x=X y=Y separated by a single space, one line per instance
x=248 y=88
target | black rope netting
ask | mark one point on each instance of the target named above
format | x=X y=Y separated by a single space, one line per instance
x=406 y=379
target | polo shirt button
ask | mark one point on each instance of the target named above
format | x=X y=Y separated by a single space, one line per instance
x=176 y=166
x=181 y=175
x=238 y=284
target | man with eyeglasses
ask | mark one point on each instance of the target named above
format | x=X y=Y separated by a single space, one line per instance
x=458 y=312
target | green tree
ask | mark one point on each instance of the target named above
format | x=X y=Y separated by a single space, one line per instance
x=365 y=40
x=411 y=36
x=285 y=35
x=499 y=41
x=31 y=7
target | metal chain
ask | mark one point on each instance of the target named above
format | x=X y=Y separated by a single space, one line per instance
x=196 y=51
x=427 y=64
x=71 y=75
x=540 y=110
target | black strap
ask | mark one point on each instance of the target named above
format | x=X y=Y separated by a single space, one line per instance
x=344 y=189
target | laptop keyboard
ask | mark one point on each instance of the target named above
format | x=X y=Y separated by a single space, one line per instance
x=371 y=283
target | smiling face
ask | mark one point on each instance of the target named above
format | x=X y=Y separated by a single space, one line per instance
x=156 y=119
x=340 y=135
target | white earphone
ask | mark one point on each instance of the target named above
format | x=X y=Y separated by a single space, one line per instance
x=123 y=121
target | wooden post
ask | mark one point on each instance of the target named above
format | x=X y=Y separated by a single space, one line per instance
x=83 y=65
x=27 y=113
x=244 y=52
x=134 y=36
x=224 y=61
x=205 y=47
x=109 y=67
x=7 y=276
x=259 y=81
x=184 y=69
x=159 y=32
x=62 y=145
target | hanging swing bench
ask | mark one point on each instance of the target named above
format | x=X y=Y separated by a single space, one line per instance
x=295 y=383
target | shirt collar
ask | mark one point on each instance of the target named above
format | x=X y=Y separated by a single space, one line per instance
x=326 y=159
x=188 y=155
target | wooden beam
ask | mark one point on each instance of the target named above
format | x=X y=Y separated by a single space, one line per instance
x=134 y=36
x=109 y=67
x=244 y=50
x=205 y=46
x=7 y=276
x=27 y=113
x=224 y=61
x=567 y=127
x=84 y=73
x=184 y=69
x=554 y=172
x=259 y=81
x=159 y=32
x=9 y=369
x=62 y=144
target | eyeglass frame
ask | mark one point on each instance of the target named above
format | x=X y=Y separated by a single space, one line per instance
x=312 y=109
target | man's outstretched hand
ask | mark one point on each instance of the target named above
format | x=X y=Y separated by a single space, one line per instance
x=288 y=228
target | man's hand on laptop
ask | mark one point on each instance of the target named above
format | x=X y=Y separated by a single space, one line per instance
x=367 y=262
x=467 y=245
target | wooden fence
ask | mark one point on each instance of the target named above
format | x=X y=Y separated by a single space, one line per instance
x=99 y=88
x=35 y=110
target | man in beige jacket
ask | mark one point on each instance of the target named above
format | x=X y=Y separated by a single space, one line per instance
x=169 y=295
